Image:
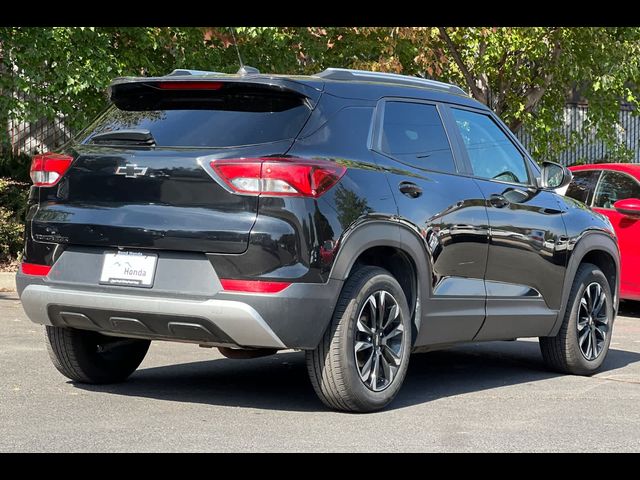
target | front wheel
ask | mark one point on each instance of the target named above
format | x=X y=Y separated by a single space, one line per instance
x=90 y=357
x=582 y=343
x=361 y=362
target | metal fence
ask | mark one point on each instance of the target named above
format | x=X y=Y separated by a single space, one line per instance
x=590 y=149
x=37 y=137
x=45 y=135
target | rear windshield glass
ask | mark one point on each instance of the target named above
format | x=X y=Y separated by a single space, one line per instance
x=246 y=121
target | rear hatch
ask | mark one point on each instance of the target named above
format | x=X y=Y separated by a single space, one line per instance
x=140 y=175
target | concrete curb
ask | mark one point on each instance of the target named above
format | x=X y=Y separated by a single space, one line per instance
x=7 y=281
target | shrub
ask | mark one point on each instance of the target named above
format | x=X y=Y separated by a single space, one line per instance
x=14 y=166
x=13 y=203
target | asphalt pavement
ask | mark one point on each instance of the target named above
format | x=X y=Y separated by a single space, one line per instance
x=495 y=396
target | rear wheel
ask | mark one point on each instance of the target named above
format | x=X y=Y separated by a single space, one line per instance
x=582 y=343
x=362 y=360
x=90 y=357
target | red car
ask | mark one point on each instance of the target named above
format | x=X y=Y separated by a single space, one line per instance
x=614 y=190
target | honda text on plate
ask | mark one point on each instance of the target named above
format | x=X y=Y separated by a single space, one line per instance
x=356 y=216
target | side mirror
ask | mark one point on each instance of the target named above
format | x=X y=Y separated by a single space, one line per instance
x=629 y=207
x=554 y=176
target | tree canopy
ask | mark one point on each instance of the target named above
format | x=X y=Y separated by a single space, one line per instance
x=525 y=74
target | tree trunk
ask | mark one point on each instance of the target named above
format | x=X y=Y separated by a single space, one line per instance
x=472 y=82
x=4 y=117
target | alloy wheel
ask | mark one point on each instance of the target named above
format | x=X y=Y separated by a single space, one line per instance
x=378 y=340
x=592 y=323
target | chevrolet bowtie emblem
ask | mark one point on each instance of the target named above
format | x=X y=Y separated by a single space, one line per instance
x=132 y=171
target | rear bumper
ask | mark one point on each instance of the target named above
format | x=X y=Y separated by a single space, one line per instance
x=186 y=304
x=223 y=322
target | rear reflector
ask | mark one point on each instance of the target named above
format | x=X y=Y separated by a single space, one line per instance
x=255 y=286
x=189 y=85
x=48 y=168
x=35 y=269
x=279 y=176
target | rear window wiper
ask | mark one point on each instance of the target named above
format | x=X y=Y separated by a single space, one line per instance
x=125 y=137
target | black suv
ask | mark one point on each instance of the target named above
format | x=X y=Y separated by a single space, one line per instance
x=357 y=216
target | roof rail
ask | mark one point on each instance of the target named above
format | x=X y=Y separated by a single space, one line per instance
x=181 y=71
x=364 y=75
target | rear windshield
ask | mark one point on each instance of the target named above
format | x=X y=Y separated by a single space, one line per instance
x=241 y=120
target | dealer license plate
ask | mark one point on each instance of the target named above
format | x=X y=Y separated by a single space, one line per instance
x=134 y=269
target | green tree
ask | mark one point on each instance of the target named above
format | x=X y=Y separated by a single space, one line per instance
x=523 y=73
x=65 y=70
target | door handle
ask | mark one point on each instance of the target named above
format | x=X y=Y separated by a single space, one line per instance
x=410 y=189
x=498 y=201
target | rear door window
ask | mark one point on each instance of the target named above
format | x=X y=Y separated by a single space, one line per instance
x=413 y=134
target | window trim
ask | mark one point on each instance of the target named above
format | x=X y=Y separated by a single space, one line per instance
x=378 y=122
x=468 y=170
x=602 y=172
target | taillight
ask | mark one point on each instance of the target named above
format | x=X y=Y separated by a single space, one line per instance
x=35 y=269
x=47 y=168
x=293 y=177
x=254 y=286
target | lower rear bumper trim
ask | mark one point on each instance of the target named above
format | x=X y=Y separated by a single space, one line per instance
x=241 y=322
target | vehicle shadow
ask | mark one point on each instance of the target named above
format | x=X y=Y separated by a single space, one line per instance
x=280 y=382
x=629 y=308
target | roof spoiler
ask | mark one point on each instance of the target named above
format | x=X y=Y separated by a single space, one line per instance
x=197 y=85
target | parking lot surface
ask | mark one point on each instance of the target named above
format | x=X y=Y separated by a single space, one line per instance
x=495 y=396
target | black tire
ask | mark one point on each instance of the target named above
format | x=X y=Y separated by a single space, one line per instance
x=90 y=357
x=562 y=353
x=333 y=367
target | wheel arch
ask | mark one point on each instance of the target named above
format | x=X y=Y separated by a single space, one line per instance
x=393 y=245
x=600 y=249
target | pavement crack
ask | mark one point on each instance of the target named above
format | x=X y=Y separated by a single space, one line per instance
x=611 y=379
